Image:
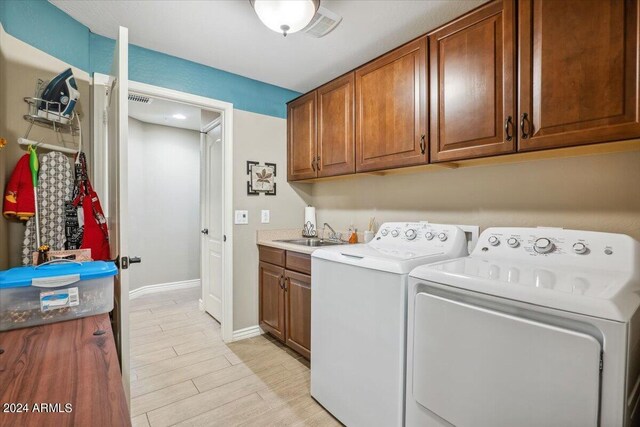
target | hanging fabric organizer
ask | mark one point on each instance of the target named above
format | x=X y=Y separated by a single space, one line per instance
x=54 y=189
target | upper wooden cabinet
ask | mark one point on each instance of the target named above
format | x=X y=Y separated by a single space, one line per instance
x=578 y=72
x=472 y=102
x=510 y=75
x=391 y=110
x=336 y=149
x=301 y=136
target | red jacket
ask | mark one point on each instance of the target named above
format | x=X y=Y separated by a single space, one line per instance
x=19 y=202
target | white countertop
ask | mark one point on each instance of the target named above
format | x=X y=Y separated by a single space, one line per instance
x=270 y=237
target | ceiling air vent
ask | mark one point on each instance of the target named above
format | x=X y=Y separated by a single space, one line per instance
x=322 y=23
x=139 y=98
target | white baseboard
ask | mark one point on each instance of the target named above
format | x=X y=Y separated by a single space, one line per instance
x=162 y=287
x=251 y=331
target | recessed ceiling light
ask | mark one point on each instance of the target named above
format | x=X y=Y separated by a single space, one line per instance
x=179 y=116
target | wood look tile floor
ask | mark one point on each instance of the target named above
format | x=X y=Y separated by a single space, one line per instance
x=183 y=374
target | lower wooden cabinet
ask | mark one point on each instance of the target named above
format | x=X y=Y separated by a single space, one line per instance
x=272 y=300
x=298 y=312
x=285 y=297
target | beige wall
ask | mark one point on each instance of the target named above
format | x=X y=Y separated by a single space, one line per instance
x=599 y=192
x=23 y=65
x=259 y=138
x=593 y=193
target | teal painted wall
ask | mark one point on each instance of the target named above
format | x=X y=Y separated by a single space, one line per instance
x=44 y=26
x=3 y=7
x=159 y=69
x=47 y=28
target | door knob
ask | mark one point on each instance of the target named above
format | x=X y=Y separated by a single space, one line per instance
x=205 y=231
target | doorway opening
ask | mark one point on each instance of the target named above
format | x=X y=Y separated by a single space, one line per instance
x=180 y=197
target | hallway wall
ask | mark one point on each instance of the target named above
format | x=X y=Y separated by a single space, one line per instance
x=164 y=203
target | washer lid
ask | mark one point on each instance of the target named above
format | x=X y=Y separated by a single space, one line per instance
x=607 y=294
x=399 y=247
x=393 y=260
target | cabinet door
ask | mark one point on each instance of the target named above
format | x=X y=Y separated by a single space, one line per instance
x=578 y=72
x=301 y=135
x=472 y=84
x=298 y=291
x=391 y=109
x=272 y=300
x=336 y=148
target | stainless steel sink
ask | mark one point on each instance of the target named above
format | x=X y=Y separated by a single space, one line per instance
x=314 y=241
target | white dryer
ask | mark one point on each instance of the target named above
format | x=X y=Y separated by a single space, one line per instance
x=358 y=319
x=537 y=327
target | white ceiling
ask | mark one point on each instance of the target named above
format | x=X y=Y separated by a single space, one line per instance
x=161 y=112
x=227 y=34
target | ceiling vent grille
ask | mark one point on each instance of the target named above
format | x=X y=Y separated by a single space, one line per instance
x=322 y=23
x=139 y=98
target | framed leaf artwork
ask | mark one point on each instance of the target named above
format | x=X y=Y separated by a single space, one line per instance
x=261 y=178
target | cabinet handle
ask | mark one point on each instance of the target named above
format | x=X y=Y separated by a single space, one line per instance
x=313 y=164
x=507 y=123
x=423 y=146
x=286 y=280
x=318 y=163
x=281 y=281
x=525 y=118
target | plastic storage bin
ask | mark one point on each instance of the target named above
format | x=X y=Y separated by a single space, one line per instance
x=55 y=292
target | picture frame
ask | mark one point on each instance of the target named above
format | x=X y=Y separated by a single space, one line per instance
x=261 y=178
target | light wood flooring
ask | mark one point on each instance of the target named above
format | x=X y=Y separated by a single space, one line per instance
x=182 y=373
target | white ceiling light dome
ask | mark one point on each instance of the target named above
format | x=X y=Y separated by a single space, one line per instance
x=285 y=16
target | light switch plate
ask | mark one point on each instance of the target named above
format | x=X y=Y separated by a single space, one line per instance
x=242 y=217
x=265 y=216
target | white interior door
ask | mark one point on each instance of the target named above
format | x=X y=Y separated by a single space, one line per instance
x=117 y=153
x=212 y=222
x=478 y=367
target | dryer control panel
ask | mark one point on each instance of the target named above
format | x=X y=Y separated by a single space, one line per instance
x=569 y=247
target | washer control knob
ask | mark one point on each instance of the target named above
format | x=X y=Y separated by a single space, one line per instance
x=395 y=233
x=580 y=248
x=543 y=245
x=513 y=242
x=429 y=235
x=384 y=232
x=442 y=237
x=494 y=241
x=410 y=234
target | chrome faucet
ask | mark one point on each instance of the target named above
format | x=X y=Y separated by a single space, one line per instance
x=333 y=235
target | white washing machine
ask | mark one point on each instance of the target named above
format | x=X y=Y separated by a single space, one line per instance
x=537 y=327
x=358 y=319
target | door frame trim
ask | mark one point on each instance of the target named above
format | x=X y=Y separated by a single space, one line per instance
x=226 y=111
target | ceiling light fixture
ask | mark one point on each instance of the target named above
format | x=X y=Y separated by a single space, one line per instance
x=179 y=116
x=285 y=16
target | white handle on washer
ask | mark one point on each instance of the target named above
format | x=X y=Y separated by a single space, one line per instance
x=351 y=256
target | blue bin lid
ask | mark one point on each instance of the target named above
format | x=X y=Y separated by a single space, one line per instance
x=22 y=276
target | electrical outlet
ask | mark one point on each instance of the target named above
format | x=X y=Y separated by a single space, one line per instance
x=242 y=217
x=265 y=216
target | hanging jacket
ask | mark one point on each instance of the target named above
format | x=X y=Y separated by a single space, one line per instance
x=19 y=202
x=95 y=234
